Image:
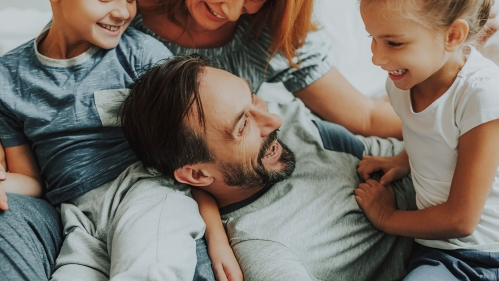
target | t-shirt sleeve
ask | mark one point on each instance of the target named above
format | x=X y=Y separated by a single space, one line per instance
x=314 y=58
x=153 y=51
x=11 y=128
x=478 y=105
x=375 y=146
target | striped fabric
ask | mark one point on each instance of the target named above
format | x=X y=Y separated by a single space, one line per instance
x=248 y=58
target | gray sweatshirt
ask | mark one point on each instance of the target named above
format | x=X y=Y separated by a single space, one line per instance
x=309 y=227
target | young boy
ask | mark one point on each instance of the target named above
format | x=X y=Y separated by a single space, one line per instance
x=59 y=98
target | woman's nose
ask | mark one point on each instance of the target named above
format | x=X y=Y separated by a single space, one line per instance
x=232 y=9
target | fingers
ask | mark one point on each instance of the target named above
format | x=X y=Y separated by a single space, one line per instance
x=219 y=272
x=3 y=174
x=388 y=177
x=3 y=199
x=233 y=273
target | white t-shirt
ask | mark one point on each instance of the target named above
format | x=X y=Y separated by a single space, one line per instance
x=432 y=138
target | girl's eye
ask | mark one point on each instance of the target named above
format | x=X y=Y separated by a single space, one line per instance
x=394 y=44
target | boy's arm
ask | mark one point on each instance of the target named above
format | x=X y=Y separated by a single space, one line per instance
x=223 y=260
x=23 y=173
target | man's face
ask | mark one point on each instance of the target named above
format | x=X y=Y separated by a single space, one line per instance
x=241 y=133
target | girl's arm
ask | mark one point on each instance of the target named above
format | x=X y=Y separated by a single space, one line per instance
x=23 y=175
x=222 y=258
x=477 y=163
x=334 y=99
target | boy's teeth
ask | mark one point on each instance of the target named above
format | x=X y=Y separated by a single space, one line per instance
x=398 y=72
x=110 y=27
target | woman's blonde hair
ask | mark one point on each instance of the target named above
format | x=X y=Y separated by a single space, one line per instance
x=438 y=14
x=289 y=22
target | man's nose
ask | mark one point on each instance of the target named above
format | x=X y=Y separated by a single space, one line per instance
x=268 y=123
x=232 y=9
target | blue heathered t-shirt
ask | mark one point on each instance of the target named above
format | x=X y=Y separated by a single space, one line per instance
x=67 y=110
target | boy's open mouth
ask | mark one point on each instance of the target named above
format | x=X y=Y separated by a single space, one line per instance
x=109 y=27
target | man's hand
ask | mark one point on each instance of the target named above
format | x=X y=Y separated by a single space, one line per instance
x=224 y=263
x=376 y=200
x=394 y=168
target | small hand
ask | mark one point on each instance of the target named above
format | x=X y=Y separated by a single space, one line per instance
x=376 y=200
x=224 y=263
x=394 y=168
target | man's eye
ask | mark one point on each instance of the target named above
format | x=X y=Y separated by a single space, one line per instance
x=394 y=44
x=241 y=131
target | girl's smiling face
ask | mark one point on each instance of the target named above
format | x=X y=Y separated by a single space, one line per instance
x=409 y=51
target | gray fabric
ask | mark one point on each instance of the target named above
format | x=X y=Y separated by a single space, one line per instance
x=66 y=110
x=30 y=239
x=139 y=227
x=309 y=227
x=248 y=58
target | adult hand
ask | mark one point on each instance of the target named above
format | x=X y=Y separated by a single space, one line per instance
x=376 y=200
x=394 y=168
x=224 y=263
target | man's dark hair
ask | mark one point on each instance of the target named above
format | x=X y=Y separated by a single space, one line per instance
x=153 y=115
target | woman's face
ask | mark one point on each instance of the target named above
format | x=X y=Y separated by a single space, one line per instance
x=210 y=15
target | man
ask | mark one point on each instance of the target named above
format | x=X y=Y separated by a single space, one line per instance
x=290 y=212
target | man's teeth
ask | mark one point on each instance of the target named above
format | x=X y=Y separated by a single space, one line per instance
x=398 y=72
x=109 y=27
x=272 y=150
x=215 y=13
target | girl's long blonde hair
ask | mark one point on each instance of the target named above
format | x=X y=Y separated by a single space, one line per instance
x=438 y=14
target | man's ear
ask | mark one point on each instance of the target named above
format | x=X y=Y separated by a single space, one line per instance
x=193 y=175
x=456 y=34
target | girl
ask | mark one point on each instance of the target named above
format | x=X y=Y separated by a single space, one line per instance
x=447 y=96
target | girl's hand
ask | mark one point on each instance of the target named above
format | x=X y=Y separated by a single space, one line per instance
x=394 y=168
x=224 y=262
x=377 y=201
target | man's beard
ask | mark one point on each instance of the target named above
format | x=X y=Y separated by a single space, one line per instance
x=236 y=174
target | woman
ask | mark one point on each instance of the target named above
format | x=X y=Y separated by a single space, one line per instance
x=268 y=41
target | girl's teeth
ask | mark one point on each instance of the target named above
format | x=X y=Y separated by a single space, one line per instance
x=398 y=72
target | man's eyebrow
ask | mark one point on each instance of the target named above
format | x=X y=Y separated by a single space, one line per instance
x=241 y=115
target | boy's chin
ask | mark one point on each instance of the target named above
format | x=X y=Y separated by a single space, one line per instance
x=107 y=45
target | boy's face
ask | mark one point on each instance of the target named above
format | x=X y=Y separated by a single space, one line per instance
x=410 y=52
x=99 y=22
